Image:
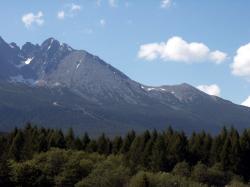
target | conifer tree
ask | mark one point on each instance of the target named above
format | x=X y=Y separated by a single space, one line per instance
x=70 y=139
x=85 y=141
x=103 y=146
x=158 y=158
x=225 y=154
x=128 y=141
x=245 y=154
x=16 y=147
x=116 y=145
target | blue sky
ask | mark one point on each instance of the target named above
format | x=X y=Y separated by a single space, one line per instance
x=183 y=36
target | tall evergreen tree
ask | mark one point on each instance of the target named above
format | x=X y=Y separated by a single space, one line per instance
x=158 y=157
x=103 y=146
x=116 y=145
x=225 y=154
x=70 y=139
x=245 y=154
x=85 y=141
x=16 y=147
x=128 y=141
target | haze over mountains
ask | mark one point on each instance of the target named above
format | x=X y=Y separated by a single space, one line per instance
x=56 y=86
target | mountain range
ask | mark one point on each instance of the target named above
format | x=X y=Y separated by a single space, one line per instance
x=57 y=86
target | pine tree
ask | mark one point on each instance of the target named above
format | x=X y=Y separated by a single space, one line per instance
x=70 y=139
x=92 y=146
x=214 y=156
x=16 y=147
x=225 y=154
x=59 y=139
x=42 y=140
x=158 y=158
x=116 y=145
x=128 y=141
x=103 y=146
x=78 y=144
x=85 y=141
x=235 y=154
x=245 y=155
x=134 y=154
x=146 y=155
x=179 y=147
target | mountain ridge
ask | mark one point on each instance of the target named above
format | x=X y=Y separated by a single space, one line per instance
x=86 y=89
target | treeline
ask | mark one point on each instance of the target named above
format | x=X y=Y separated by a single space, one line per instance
x=46 y=157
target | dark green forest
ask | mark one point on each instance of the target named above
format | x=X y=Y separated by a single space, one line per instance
x=41 y=157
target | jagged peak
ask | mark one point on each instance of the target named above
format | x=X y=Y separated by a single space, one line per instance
x=49 y=40
x=54 y=43
x=50 y=43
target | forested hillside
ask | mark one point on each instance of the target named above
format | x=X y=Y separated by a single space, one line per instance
x=45 y=157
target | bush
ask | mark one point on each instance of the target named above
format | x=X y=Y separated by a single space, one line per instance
x=109 y=173
x=27 y=174
x=216 y=176
x=237 y=184
x=161 y=179
x=182 y=169
x=200 y=173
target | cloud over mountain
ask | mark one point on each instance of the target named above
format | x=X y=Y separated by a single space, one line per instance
x=246 y=102
x=212 y=89
x=179 y=50
x=241 y=64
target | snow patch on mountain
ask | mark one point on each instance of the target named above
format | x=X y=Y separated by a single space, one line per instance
x=28 y=61
x=11 y=46
x=153 y=88
x=51 y=41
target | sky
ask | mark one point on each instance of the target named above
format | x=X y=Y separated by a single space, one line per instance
x=155 y=42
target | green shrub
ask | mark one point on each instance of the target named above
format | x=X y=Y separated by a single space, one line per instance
x=182 y=169
x=109 y=173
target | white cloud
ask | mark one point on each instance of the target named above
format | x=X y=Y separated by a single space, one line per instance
x=246 y=102
x=70 y=10
x=112 y=3
x=166 y=3
x=177 y=49
x=31 y=18
x=61 y=14
x=212 y=89
x=241 y=64
x=102 y=22
x=75 y=7
x=218 y=57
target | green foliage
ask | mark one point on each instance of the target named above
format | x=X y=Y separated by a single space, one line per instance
x=161 y=179
x=27 y=174
x=200 y=173
x=54 y=168
x=182 y=169
x=117 y=145
x=15 y=150
x=5 y=174
x=109 y=173
x=45 y=157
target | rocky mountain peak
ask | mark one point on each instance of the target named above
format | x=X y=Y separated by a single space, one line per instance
x=50 y=44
